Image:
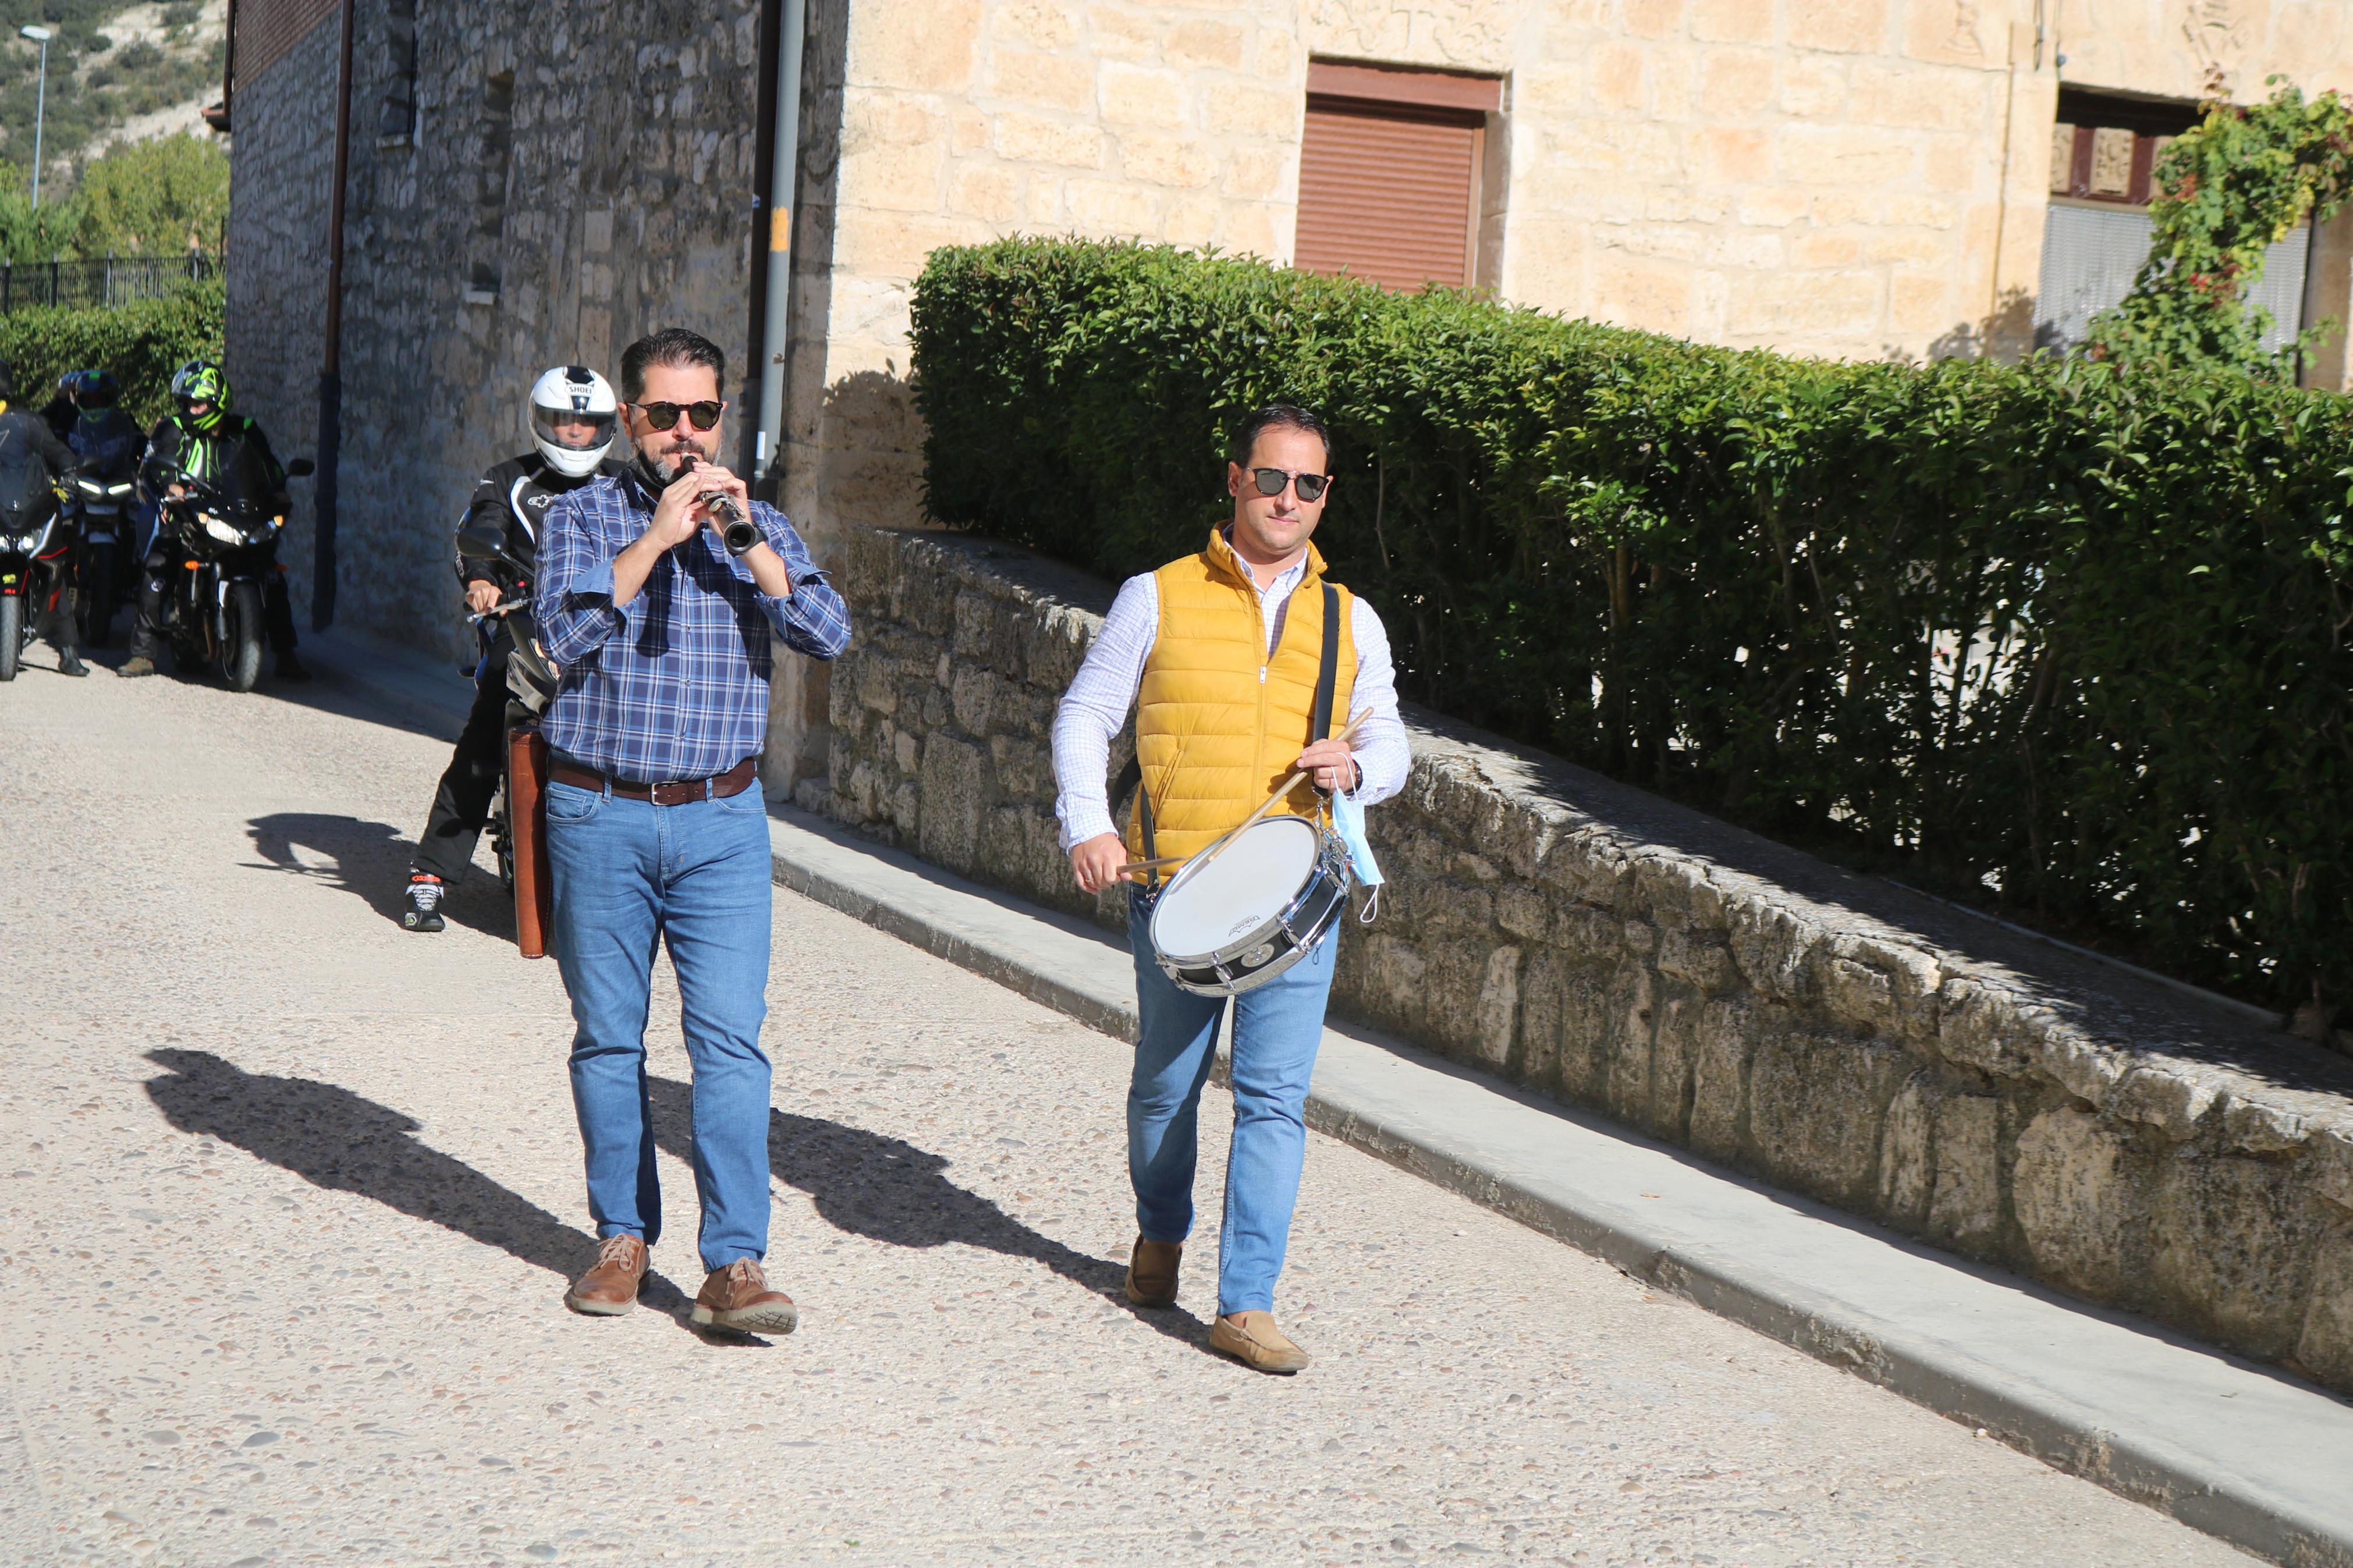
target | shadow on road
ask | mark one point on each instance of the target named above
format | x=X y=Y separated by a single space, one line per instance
x=882 y=1188
x=371 y=861
x=889 y=1190
x=339 y=1141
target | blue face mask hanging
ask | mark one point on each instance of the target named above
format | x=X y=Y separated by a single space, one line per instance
x=1349 y=822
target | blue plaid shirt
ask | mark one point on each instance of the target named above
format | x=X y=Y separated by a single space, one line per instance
x=673 y=684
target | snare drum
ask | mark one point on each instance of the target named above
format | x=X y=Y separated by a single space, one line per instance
x=1228 y=924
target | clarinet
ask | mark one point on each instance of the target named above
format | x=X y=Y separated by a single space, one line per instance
x=737 y=532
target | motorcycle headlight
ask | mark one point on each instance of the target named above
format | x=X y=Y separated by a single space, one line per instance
x=220 y=530
x=29 y=542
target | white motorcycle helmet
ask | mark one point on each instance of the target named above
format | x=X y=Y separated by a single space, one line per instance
x=576 y=401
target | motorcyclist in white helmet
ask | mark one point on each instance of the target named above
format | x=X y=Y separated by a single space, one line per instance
x=571 y=414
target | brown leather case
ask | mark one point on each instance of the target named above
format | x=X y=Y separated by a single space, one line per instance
x=534 y=884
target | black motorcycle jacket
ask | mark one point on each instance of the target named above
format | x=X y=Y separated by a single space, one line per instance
x=108 y=443
x=31 y=456
x=173 y=448
x=513 y=499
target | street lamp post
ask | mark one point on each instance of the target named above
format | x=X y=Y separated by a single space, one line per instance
x=40 y=35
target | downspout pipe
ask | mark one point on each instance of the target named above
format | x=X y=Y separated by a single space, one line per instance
x=776 y=315
x=331 y=360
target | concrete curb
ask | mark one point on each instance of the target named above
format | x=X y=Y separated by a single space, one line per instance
x=2238 y=1450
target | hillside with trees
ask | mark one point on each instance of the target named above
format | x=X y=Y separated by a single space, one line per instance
x=129 y=167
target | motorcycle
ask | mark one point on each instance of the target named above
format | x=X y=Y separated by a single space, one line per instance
x=36 y=555
x=222 y=528
x=518 y=826
x=102 y=509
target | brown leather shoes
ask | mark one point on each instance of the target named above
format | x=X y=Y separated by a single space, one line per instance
x=610 y=1288
x=1252 y=1339
x=737 y=1297
x=1151 y=1272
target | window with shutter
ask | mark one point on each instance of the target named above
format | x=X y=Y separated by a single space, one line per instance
x=2103 y=150
x=1389 y=172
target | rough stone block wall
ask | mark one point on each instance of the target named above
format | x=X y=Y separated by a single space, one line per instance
x=564 y=185
x=1834 y=1035
x=283 y=162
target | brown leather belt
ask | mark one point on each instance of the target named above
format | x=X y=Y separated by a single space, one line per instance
x=678 y=792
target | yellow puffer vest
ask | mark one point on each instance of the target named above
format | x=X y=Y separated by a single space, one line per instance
x=1218 y=723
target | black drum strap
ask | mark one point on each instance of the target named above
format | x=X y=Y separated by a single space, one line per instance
x=1327 y=677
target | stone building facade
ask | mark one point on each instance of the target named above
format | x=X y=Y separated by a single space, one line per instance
x=1857 y=178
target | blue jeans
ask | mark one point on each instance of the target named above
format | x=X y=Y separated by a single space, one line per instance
x=1277 y=1029
x=628 y=876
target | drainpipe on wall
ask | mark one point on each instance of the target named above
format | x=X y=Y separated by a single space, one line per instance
x=774 y=318
x=331 y=361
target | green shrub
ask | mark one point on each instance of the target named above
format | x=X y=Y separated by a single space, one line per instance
x=2066 y=641
x=142 y=344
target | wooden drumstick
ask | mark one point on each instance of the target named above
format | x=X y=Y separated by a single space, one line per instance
x=1281 y=792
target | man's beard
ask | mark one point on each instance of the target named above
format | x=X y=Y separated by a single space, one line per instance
x=664 y=467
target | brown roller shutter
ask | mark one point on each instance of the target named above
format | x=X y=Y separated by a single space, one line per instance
x=1388 y=175
x=1388 y=192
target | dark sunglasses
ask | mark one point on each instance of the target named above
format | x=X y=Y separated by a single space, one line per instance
x=1270 y=481
x=702 y=416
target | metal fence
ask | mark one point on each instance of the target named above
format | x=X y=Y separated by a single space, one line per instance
x=106 y=280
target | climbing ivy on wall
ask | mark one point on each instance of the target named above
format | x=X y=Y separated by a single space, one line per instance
x=2227 y=189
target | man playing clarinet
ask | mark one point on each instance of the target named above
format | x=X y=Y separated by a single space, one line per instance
x=1220 y=653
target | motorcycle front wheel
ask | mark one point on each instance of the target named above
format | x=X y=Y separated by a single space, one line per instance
x=241 y=636
x=12 y=635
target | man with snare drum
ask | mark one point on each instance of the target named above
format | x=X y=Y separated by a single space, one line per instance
x=1223 y=656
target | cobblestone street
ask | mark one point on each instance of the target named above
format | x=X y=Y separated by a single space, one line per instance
x=289 y=1198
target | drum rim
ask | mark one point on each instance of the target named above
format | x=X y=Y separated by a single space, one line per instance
x=1331 y=865
x=1258 y=933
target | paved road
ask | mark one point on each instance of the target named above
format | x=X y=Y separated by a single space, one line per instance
x=288 y=1197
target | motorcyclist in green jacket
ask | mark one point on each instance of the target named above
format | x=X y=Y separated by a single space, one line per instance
x=200 y=437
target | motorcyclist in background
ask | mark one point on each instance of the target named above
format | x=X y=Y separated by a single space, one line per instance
x=108 y=445
x=103 y=437
x=32 y=458
x=572 y=413
x=59 y=411
x=200 y=439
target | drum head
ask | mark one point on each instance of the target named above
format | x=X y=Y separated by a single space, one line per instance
x=1209 y=907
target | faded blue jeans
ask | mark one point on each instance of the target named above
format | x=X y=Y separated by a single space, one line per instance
x=630 y=875
x=1277 y=1029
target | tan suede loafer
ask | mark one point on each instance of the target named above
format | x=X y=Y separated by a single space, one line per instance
x=737 y=1297
x=1252 y=1339
x=610 y=1289
x=1151 y=1272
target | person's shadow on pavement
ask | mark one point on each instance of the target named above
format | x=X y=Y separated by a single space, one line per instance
x=344 y=1143
x=371 y=860
x=890 y=1191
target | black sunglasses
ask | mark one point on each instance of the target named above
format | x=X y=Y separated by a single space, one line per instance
x=1272 y=480
x=702 y=416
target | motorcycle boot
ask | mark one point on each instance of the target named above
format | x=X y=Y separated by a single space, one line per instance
x=423 y=911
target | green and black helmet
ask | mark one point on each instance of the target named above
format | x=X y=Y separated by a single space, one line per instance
x=201 y=380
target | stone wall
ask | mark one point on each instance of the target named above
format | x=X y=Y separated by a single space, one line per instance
x=1834 y=1035
x=283 y=162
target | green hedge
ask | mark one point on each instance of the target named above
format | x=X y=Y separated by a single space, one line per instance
x=2067 y=643
x=142 y=344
